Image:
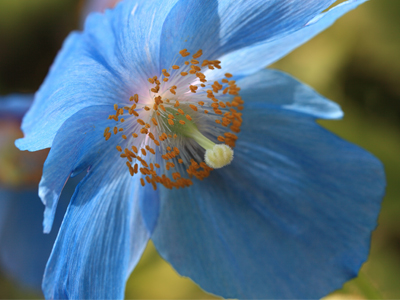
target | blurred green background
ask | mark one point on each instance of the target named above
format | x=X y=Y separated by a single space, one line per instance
x=356 y=63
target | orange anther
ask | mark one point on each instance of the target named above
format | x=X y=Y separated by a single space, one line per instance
x=154 y=121
x=193 y=107
x=198 y=54
x=175 y=67
x=176 y=103
x=193 y=88
x=134 y=149
x=165 y=73
x=140 y=121
x=228 y=75
x=182 y=122
x=189 y=117
x=184 y=53
x=119 y=148
x=184 y=73
x=171 y=116
x=108 y=135
x=170 y=122
x=142 y=181
x=143 y=151
x=134 y=135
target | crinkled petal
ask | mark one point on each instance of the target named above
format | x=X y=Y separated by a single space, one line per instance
x=192 y=25
x=103 y=235
x=244 y=23
x=251 y=58
x=78 y=145
x=280 y=90
x=15 y=105
x=290 y=218
x=222 y=26
x=219 y=27
x=101 y=239
x=105 y=64
x=75 y=148
x=24 y=248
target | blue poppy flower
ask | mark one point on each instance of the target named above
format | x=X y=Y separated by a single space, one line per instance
x=187 y=140
x=24 y=249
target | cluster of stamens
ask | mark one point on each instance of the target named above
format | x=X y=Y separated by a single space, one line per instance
x=171 y=116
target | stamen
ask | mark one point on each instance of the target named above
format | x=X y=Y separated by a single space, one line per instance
x=178 y=119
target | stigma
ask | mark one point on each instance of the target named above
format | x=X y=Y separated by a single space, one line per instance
x=182 y=126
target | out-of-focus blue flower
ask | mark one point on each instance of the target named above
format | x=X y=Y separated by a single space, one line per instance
x=24 y=249
x=289 y=217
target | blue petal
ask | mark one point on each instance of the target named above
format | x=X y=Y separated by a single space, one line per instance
x=75 y=148
x=280 y=90
x=103 y=235
x=15 y=105
x=249 y=59
x=221 y=26
x=106 y=64
x=192 y=25
x=24 y=248
x=244 y=23
x=101 y=239
x=291 y=217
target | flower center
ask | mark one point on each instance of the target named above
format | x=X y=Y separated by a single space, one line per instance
x=172 y=129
